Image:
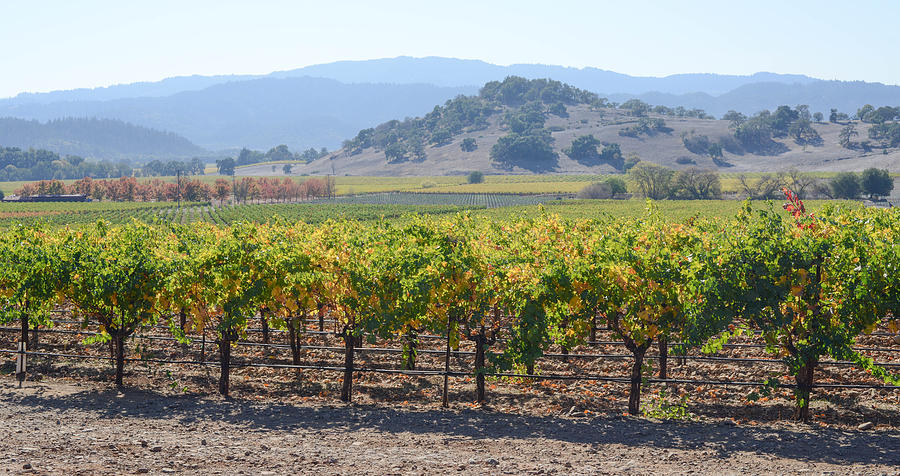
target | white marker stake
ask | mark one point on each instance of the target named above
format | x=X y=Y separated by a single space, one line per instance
x=20 y=364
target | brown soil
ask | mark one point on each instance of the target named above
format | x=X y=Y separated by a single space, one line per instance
x=70 y=419
x=90 y=428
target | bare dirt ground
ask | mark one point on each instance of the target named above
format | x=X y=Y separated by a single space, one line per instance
x=54 y=427
x=70 y=419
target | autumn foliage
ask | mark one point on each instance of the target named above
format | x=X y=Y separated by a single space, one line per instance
x=130 y=189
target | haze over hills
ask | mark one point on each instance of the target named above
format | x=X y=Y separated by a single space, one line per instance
x=96 y=138
x=460 y=72
x=259 y=113
x=321 y=105
x=164 y=87
x=446 y=72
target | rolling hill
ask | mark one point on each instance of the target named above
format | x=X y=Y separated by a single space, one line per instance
x=433 y=144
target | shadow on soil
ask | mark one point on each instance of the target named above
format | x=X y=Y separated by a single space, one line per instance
x=805 y=443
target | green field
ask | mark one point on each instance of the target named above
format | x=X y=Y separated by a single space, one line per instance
x=675 y=210
x=373 y=207
x=61 y=214
x=521 y=184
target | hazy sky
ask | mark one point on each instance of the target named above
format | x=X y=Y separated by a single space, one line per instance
x=48 y=45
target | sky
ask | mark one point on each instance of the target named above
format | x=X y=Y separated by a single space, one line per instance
x=49 y=45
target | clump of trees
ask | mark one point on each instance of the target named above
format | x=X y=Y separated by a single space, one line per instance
x=156 y=168
x=876 y=182
x=37 y=164
x=659 y=182
x=872 y=182
x=638 y=108
x=528 y=145
x=701 y=144
x=837 y=117
x=681 y=111
x=887 y=134
x=646 y=126
x=516 y=91
x=756 y=133
x=584 y=150
x=870 y=115
x=129 y=189
x=532 y=150
x=280 y=152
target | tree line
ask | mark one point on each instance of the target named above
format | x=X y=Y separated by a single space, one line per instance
x=659 y=182
x=38 y=164
x=279 y=153
x=129 y=189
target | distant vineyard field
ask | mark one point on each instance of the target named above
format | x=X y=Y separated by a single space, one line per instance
x=369 y=207
x=61 y=214
x=305 y=212
x=459 y=199
x=677 y=210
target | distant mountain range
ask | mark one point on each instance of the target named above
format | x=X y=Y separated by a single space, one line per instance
x=321 y=105
x=259 y=113
x=96 y=138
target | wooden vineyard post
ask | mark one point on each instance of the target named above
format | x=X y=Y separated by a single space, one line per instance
x=265 y=326
x=349 y=348
x=203 y=347
x=446 y=398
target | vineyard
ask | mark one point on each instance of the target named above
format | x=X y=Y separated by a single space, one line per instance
x=62 y=214
x=806 y=301
x=472 y=200
x=367 y=208
x=304 y=212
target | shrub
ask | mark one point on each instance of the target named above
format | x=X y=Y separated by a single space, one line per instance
x=731 y=145
x=698 y=144
x=617 y=185
x=475 y=177
x=583 y=149
x=605 y=189
x=595 y=191
x=468 y=144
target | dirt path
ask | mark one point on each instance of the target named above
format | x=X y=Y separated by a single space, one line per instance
x=53 y=427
